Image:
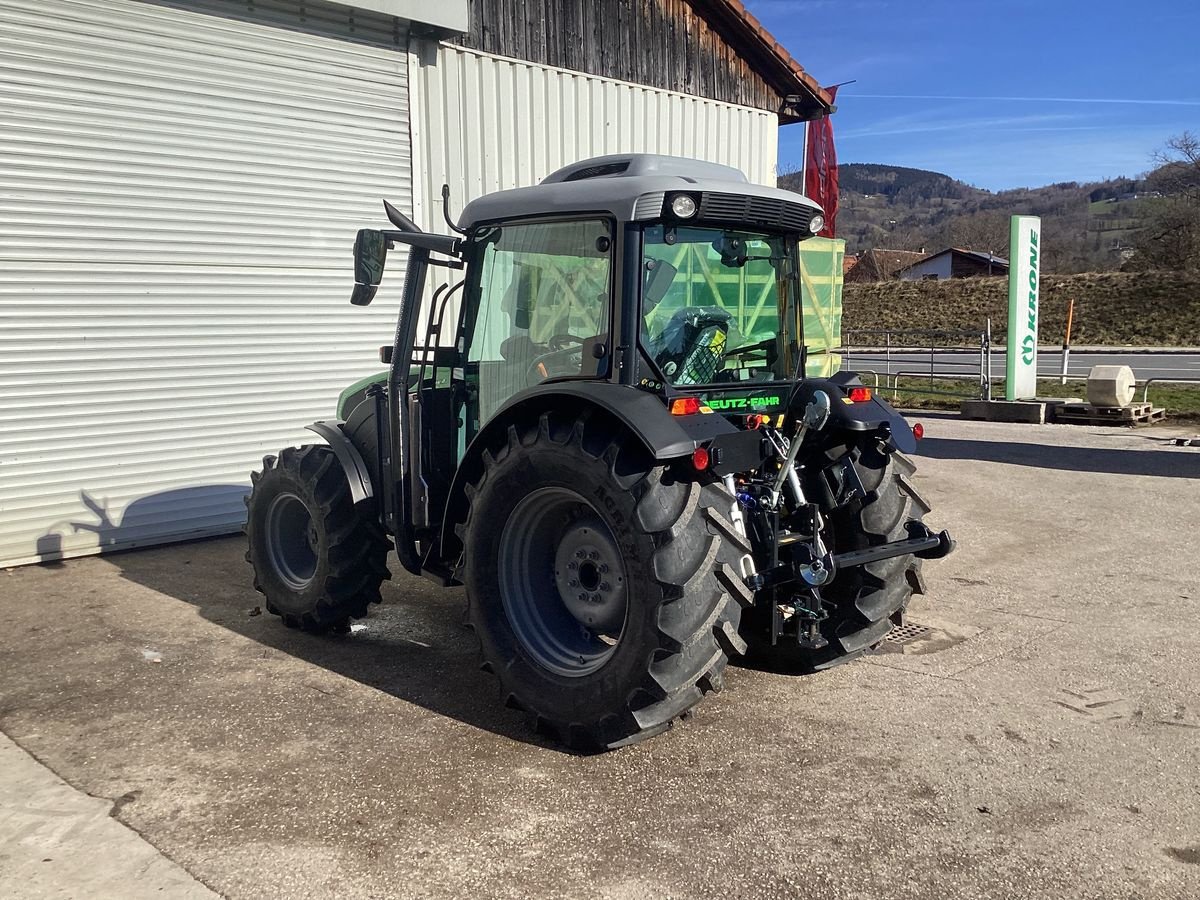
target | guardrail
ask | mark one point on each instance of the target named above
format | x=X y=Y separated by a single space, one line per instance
x=899 y=346
x=897 y=341
x=1149 y=381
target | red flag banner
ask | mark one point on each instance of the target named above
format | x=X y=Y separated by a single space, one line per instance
x=820 y=168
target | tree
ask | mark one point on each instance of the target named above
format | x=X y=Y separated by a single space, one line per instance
x=1171 y=237
x=983 y=231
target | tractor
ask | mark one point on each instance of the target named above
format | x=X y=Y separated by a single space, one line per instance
x=604 y=431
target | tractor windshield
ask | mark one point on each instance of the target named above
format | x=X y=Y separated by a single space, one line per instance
x=719 y=305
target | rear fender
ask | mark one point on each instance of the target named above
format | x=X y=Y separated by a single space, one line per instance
x=872 y=416
x=644 y=416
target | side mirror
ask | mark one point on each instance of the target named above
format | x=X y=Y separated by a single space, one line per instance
x=363 y=294
x=370 y=254
x=816 y=413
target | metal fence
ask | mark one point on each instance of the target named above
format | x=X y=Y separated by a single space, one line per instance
x=921 y=355
x=928 y=358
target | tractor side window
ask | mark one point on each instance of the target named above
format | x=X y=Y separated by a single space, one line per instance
x=540 y=307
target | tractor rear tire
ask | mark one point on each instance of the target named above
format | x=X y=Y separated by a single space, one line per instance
x=317 y=560
x=866 y=601
x=602 y=586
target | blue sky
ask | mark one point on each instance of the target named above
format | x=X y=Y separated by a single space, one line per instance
x=1004 y=94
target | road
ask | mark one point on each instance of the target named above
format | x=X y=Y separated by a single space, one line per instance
x=1151 y=364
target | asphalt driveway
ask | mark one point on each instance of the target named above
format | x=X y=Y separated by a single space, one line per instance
x=1039 y=736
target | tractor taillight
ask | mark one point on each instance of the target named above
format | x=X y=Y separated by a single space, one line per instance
x=685 y=406
x=918 y=431
x=700 y=459
x=859 y=394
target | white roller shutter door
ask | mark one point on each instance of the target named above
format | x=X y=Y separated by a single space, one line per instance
x=179 y=192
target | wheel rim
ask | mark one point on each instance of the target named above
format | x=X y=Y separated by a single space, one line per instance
x=562 y=582
x=292 y=541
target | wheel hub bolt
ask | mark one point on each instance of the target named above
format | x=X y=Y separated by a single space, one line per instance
x=581 y=554
x=572 y=565
x=605 y=586
x=595 y=598
x=603 y=568
x=593 y=555
x=583 y=596
x=574 y=582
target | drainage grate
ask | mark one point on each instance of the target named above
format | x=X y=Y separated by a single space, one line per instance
x=906 y=634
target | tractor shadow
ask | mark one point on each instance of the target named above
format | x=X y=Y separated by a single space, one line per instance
x=1181 y=463
x=413 y=646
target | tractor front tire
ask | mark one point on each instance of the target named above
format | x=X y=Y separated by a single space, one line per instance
x=317 y=560
x=602 y=586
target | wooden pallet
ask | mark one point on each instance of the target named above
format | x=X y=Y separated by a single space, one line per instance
x=1086 y=414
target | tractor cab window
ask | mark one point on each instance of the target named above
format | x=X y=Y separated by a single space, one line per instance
x=719 y=305
x=539 y=308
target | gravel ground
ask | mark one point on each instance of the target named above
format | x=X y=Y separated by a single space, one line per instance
x=1040 y=739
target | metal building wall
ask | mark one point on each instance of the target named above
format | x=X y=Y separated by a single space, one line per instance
x=484 y=123
x=179 y=193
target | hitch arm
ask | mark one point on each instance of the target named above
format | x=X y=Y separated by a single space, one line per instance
x=926 y=546
x=924 y=543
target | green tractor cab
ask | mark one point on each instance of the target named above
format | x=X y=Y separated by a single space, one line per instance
x=604 y=431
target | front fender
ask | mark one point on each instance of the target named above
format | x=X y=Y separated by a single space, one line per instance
x=358 y=476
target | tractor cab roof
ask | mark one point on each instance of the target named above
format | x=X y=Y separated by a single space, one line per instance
x=635 y=187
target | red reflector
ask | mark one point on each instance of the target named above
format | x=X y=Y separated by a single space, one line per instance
x=700 y=459
x=859 y=394
x=918 y=431
x=755 y=421
x=685 y=406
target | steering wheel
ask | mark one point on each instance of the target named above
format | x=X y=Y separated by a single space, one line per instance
x=559 y=342
x=560 y=345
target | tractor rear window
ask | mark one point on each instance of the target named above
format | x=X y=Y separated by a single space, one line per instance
x=718 y=305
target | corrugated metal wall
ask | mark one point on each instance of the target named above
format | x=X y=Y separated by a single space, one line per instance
x=179 y=193
x=484 y=123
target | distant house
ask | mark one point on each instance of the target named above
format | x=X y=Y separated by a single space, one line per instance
x=880 y=265
x=954 y=262
x=849 y=261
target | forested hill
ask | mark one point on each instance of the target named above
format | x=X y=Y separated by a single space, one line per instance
x=902 y=185
x=1086 y=227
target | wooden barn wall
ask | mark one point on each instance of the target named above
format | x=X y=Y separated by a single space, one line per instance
x=659 y=43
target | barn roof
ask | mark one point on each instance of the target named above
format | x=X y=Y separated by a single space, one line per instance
x=753 y=40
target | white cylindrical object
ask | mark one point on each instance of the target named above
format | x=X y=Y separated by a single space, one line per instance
x=1110 y=386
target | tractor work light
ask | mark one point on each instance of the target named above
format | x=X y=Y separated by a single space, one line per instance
x=683 y=206
x=816 y=223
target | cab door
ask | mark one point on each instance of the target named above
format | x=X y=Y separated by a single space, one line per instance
x=538 y=307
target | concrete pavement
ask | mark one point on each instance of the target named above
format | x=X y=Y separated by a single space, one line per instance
x=57 y=842
x=1041 y=739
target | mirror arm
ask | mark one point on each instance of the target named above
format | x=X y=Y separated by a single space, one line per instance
x=436 y=243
